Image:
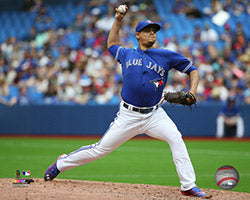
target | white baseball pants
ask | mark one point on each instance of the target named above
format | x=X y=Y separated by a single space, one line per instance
x=220 y=127
x=128 y=124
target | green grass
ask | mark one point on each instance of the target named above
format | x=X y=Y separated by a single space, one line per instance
x=136 y=161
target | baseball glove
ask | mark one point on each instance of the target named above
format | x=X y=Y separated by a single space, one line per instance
x=183 y=98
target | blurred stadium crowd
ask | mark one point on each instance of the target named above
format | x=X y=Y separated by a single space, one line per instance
x=56 y=54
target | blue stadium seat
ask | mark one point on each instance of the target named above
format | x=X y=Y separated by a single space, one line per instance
x=220 y=45
x=75 y=39
x=160 y=37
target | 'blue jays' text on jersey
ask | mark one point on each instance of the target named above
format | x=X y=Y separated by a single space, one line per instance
x=145 y=73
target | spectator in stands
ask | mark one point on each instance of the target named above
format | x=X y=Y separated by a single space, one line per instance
x=229 y=55
x=66 y=92
x=94 y=64
x=227 y=36
x=43 y=15
x=40 y=61
x=197 y=34
x=239 y=94
x=23 y=98
x=239 y=39
x=7 y=48
x=37 y=6
x=27 y=65
x=87 y=18
x=209 y=34
x=50 y=96
x=3 y=66
x=7 y=97
x=191 y=10
x=228 y=6
x=248 y=8
x=43 y=19
x=228 y=120
x=179 y=7
x=238 y=7
x=216 y=6
x=28 y=5
x=105 y=23
x=247 y=93
x=78 y=25
x=32 y=35
x=171 y=44
x=41 y=38
x=221 y=89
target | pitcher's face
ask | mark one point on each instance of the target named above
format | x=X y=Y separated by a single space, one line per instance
x=147 y=36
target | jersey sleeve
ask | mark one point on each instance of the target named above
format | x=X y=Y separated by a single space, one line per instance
x=118 y=52
x=181 y=63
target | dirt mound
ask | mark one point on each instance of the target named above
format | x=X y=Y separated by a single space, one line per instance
x=73 y=189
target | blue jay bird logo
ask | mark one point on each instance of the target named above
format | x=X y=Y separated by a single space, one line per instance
x=157 y=82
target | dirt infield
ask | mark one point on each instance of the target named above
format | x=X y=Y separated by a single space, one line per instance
x=72 y=189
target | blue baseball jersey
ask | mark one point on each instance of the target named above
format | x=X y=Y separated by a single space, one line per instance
x=230 y=111
x=145 y=72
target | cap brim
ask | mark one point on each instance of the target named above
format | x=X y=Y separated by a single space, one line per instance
x=158 y=27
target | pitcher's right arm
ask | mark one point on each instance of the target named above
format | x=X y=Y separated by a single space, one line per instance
x=114 y=37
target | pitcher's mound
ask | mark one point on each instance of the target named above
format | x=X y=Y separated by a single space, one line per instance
x=72 y=189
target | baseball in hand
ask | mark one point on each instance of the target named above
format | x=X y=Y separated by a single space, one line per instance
x=122 y=9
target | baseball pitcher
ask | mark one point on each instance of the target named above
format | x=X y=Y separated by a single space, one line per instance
x=145 y=73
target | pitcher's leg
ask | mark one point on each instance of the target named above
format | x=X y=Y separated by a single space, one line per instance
x=166 y=130
x=116 y=135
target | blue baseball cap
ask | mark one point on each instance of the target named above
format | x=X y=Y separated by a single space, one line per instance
x=142 y=24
